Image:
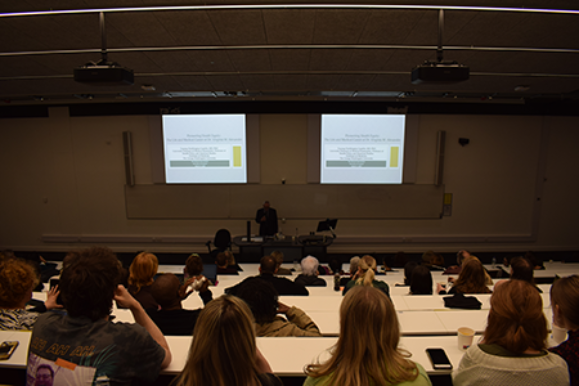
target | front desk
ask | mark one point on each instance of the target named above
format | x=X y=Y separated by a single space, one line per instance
x=293 y=248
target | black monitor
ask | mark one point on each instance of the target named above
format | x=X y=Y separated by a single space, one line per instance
x=327 y=225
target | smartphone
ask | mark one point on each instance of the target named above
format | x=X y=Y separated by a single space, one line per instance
x=7 y=349
x=438 y=359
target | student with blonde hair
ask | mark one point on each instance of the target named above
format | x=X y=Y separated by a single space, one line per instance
x=141 y=276
x=223 y=351
x=367 y=351
x=365 y=276
x=513 y=350
x=565 y=303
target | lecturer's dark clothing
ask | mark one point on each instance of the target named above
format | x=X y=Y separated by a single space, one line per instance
x=282 y=285
x=269 y=226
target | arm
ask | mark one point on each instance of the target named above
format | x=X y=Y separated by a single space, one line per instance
x=124 y=299
x=51 y=298
x=303 y=325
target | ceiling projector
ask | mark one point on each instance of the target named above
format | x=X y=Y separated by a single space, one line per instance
x=104 y=74
x=440 y=72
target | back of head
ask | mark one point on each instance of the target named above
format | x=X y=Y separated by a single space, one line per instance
x=565 y=295
x=223 y=352
x=367 y=264
x=400 y=259
x=221 y=260
x=461 y=256
x=421 y=283
x=408 y=269
x=17 y=280
x=472 y=277
x=516 y=320
x=354 y=262
x=142 y=270
x=428 y=257
x=367 y=349
x=165 y=290
x=261 y=297
x=194 y=265
x=522 y=269
x=267 y=264
x=310 y=265
x=88 y=282
x=278 y=256
x=335 y=265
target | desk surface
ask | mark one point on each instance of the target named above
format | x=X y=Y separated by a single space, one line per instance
x=20 y=356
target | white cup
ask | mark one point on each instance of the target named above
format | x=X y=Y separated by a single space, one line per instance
x=465 y=337
x=559 y=334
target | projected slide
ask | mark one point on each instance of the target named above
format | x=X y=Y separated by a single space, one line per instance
x=362 y=149
x=204 y=149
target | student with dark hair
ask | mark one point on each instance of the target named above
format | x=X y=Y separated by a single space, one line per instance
x=565 y=303
x=262 y=299
x=193 y=266
x=283 y=286
x=171 y=318
x=223 y=267
x=408 y=269
x=279 y=256
x=97 y=348
x=513 y=350
x=421 y=283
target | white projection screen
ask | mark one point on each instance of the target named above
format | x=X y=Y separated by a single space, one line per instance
x=202 y=149
x=362 y=149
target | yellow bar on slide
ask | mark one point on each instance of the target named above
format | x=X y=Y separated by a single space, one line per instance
x=236 y=156
x=394 y=157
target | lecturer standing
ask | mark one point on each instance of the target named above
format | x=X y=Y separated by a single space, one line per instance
x=266 y=217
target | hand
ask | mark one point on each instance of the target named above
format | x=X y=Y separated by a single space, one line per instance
x=451 y=279
x=124 y=298
x=439 y=288
x=205 y=284
x=42 y=259
x=263 y=219
x=51 y=298
x=282 y=308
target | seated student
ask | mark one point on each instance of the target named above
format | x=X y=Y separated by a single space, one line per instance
x=223 y=267
x=522 y=269
x=262 y=299
x=565 y=303
x=399 y=260
x=224 y=351
x=433 y=260
x=17 y=280
x=367 y=351
x=365 y=276
x=283 y=286
x=141 y=276
x=513 y=350
x=421 y=283
x=193 y=266
x=171 y=318
x=354 y=261
x=85 y=345
x=278 y=256
x=309 y=276
x=460 y=257
x=471 y=280
x=408 y=269
x=336 y=266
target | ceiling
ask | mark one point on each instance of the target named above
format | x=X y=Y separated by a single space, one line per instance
x=361 y=52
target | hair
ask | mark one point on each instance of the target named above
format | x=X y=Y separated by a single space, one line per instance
x=408 y=269
x=367 y=350
x=354 y=262
x=437 y=260
x=261 y=297
x=335 y=265
x=522 y=269
x=17 y=280
x=421 y=283
x=516 y=320
x=428 y=257
x=461 y=256
x=230 y=258
x=267 y=264
x=367 y=264
x=278 y=256
x=565 y=295
x=400 y=259
x=88 y=282
x=142 y=270
x=165 y=290
x=221 y=260
x=194 y=265
x=471 y=279
x=309 y=265
x=224 y=350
